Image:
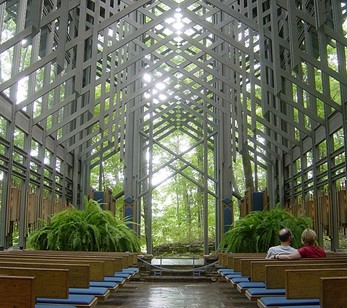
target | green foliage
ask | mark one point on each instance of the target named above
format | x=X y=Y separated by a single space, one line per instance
x=92 y=229
x=258 y=231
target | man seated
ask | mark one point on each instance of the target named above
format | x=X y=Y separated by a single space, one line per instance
x=285 y=236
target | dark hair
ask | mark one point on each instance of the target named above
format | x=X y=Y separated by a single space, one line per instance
x=285 y=234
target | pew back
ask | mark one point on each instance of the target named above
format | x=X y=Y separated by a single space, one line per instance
x=111 y=263
x=123 y=259
x=17 y=291
x=305 y=283
x=258 y=267
x=230 y=257
x=49 y=282
x=275 y=275
x=79 y=276
x=239 y=260
x=96 y=267
x=333 y=292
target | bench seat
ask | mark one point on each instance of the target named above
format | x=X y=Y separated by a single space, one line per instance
x=255 y=293
x=243 y=286
x=225 y=271
x=276 y=301
x=111 y=285
x=118 y=280
x=100 y=292
x=53 y=306
x=130 y=270
x=237 y=280
x=231 y=276
x=80 y=301
x=122 y=275
x=302 y=306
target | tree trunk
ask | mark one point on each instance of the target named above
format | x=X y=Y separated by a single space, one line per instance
x=247 y=168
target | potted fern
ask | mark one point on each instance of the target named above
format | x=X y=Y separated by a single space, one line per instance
x=91 y=229
x=257 y=231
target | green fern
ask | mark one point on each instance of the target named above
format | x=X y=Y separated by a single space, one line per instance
x=258 y=231
x=91 y=229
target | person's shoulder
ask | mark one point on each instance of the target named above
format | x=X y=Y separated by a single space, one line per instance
x=304 y=251
x=274 y=248
x=303 y=248
x=270 y=249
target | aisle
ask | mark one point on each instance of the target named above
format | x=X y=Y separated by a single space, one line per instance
x=135 y=294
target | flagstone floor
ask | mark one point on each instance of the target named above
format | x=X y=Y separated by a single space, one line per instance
x=168 y=294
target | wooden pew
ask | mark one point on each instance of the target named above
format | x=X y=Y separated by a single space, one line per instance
x=79 y=275
x=246 y=266
x=222 y=259
x=243 y=264
x=112 y=263
x=238 y=263
x=335 y=254
x=258 y=267
x=234 y=275
x=246 y=262
x=271 y=274
x=49 y=282
x=302 y=286
x=96 y=267
x=126 y=259
x=115 y=263
x=108 y=262
x=108 y=273
x=226 y=260
x=17 y=291
x=305 y=283
x=230 y=257
x=275 y=275
x=129 y=259
x=121 y=261
x=333 y=292
x=80 y=280
x=50 y=286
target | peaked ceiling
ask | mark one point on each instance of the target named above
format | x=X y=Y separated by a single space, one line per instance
x=83 y=68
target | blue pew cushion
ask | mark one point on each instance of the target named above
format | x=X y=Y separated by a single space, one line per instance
x=130 y=270
x=73 y=299
x=265 y=291
x=114 y=279
x=122 y=275
x=233 y=274
x=53 y=306
x=251 y=284
x=239 y=279
x=302 y=306
x=225 y=271
x=104 y=284
x=283 y=301
x=90 y=290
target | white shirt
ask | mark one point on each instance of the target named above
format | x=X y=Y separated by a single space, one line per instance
x=275 y=250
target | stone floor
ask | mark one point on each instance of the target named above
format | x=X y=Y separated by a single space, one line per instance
x=168 y=294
